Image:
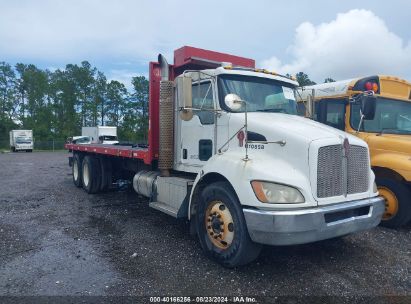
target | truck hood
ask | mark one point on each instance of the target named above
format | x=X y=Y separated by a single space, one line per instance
x=275 y=125
x=302 y=137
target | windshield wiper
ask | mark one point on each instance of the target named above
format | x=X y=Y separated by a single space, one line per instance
x=272 y=110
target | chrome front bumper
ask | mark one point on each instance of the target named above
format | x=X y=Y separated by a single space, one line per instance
x=289 y=227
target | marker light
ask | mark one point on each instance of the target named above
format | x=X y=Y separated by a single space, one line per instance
x=368 y=86
x=371 y=86
x=227 y=65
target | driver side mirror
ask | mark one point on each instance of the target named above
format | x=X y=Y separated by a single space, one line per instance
x=368 y=105
x=233 y=102
x=185 y=97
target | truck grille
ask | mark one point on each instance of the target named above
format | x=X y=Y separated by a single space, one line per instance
x=341 y=175
x=357 y=170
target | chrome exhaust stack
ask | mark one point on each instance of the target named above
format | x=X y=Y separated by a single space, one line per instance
x=166 y=147
x=164 y=68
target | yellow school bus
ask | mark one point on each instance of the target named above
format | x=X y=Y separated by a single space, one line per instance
x=388 y=133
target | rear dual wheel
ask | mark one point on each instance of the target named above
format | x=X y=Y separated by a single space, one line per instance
x=106 y=174
x=94 y=174
x=77 y=171
x=91 y=174
x=221 y=227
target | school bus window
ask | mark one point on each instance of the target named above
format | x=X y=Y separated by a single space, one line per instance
x=333 y=113
x=391 y=116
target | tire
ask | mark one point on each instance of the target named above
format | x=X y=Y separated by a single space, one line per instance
x=398 y=202
x=76 y=169
x=224 y=236
x=91 y=174
x=106 y=174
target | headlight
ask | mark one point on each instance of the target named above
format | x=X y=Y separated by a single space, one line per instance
x=276 y=194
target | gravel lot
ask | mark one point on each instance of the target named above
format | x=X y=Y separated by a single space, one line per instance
x=55 y=239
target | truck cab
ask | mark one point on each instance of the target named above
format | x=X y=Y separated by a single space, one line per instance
x=274 y=160
x=21 y=140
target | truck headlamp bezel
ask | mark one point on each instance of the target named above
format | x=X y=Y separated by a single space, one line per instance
x=274 y=193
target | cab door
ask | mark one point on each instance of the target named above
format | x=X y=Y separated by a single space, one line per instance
x=197 y=142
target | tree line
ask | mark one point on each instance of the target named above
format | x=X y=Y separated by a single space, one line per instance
x=304 y=80
x=56 y=104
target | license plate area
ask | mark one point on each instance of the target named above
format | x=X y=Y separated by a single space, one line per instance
x=345 y=214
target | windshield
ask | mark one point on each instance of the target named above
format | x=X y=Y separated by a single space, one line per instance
x=261 y=94
x=81 y=140
x=23 y=140
x=391 y=116
x=108 y=137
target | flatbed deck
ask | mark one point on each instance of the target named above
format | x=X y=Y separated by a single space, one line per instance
x=113 y=150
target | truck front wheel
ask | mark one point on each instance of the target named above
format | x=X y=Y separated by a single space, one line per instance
x=77 y=170
x=91 y=174
x=397 y=202
x=221 y=227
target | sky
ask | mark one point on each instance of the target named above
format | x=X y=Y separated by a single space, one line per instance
x=337 y=39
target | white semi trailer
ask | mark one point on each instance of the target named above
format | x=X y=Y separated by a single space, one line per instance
x=228 y=153
x=21 y=140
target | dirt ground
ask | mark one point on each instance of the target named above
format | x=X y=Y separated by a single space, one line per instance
x=55 y=239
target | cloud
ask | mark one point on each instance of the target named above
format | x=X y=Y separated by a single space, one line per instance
x=108 y=33
x=356 y=43
x=61 y=30
x=72 y=30
x=124 y=76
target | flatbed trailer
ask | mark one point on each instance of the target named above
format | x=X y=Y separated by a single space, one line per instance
x=227 y=152
x=111 y=150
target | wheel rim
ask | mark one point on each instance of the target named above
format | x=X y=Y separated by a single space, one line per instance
x=86 y=177
x=391 y=203
x=219 y=224
x=75 y=170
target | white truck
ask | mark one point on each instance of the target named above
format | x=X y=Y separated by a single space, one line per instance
x=228 y=153
x=21 y=140
x=101 y=134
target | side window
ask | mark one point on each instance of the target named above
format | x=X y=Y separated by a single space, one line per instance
x=203 y=101
x=332 y=113
x=301 y=109
x=316 y=110
x=355 y=116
